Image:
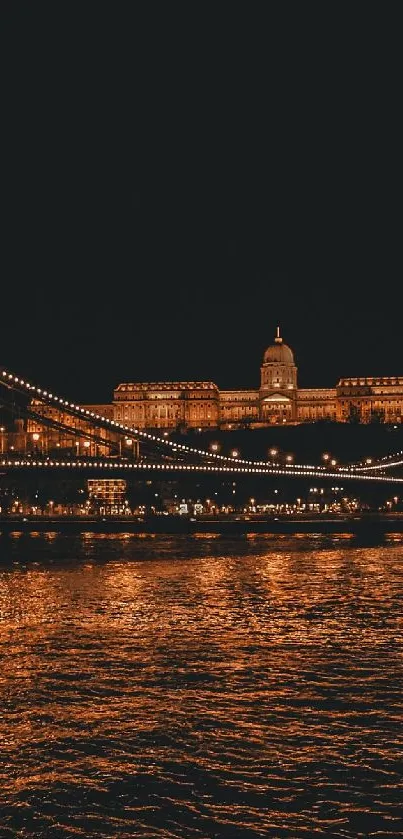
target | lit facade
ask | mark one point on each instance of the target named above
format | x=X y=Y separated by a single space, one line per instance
x=107 y=495
x=171 y=405
x=167 y=404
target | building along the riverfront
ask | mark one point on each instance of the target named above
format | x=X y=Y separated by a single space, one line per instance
x=169 y=406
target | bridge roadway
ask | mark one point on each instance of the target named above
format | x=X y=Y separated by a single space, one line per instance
x=109 y=466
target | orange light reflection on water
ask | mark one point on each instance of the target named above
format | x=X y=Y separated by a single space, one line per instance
x=276 y=672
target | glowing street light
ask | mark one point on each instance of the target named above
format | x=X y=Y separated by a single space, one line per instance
x=333 y=462
x=273 y=452
x=326 y=457
x=289 y=458
x=214 y=447
x=235 y=453
x=36 y=436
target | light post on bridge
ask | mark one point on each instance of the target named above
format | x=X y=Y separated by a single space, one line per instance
x=130 y=444
x=328 y=459
x=36 y=437
x=273 y=455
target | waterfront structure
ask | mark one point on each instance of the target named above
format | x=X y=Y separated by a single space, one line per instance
x=165 y=406
x=107 y=495
x=170 y=405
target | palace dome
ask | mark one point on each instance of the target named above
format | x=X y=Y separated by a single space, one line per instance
x=278 y=352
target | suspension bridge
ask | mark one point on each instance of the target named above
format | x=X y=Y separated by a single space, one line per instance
x=149 y=452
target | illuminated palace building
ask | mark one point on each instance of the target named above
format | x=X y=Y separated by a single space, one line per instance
x=168 y=406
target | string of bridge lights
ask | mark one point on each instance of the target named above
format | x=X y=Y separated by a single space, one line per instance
x=106 y=465
x=114 y=425
x=385 y=463
x=243 y=465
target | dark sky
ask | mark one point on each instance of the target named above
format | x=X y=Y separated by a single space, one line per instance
x=179 y=178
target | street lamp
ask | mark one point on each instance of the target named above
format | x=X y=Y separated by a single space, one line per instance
x=36 y=437
x=130 y=446
x=214 y=447
x=2 y=430
x=235 y=453
x=273 y=454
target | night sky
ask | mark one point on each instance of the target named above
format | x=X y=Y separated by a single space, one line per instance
x=179 y=179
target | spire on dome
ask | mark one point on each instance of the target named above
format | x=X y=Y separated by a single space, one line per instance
x=278 y=338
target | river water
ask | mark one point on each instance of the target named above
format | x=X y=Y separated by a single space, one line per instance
x=200 y=687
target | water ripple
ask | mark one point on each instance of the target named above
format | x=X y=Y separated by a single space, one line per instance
x=181 y=688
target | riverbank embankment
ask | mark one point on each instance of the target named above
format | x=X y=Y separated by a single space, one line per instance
x=221 y=525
